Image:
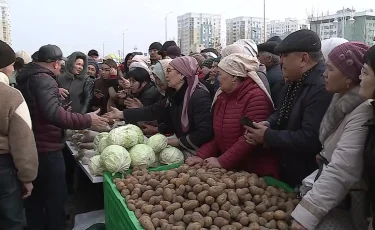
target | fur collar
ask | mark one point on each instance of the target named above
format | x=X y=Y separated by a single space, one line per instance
x=340 y=106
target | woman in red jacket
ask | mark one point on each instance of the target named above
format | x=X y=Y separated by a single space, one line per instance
x=242 y=94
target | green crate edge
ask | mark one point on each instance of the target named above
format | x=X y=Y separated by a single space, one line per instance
x=108 y=178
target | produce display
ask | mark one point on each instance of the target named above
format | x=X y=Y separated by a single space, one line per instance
x=120 y=148
x=196 y=198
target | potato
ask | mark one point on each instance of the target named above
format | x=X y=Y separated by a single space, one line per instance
x=224 y=214
x=209 y=199
x=253 y=218
x=171 y=208
x=212 y=214
x=221 y=199
x=171 y=174
x=202 y=196
x=220 y=222
x=147 y=195
x=282 y=206
x=192 y=196
x=198 y=218
x=237 y=225
x=271 y=225
x=159 y=191
x=205 y=187
x=242 y=214
x=139 y=204
x=260 y=208
x=234 y=211
x=272 y=209
x=226 y=206
x=183 y=180
x=232 y=197
x=157 y=208
x=159 y=215
x=279 y=215
x=281 y=225
x=180 y=223
x=248 y=209
x=146 y=223
x=268 y=216
x=120 y=185
x=296 y=202
x=241 y=182
x=193 y=181
x=178 y=214
x=178 y=228
x=245 y=221
x=254 y=226
x=211 y=182
x=197 y=188
x=194 y=226
x=171 y=219
x=262 y=221
x=215 y=207
x=187 y=218
x=204 y=209
x=183 y=168
x=214 y=227
x=289 y=206
x=188 y=188
x=147 y=208
x=215 y=191
x=155 y=222
x=257 y=199
x=138 y=213
x=171 y=186
x=228 y=227
x=168 y=194
x=229 y=183
x=190 y=205
x=207 y=221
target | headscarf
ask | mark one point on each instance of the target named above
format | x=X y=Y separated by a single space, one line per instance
x=143 y=59
x=187 y=66
x=249 y=45
x=242 y=65
x=329 y=44
x=160 y=70
x=239 y=48
x=25 y=56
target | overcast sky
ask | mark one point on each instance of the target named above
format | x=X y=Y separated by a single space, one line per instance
x=80 y=25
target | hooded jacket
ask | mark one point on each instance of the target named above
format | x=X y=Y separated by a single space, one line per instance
x=80 y=86
x=39 y=88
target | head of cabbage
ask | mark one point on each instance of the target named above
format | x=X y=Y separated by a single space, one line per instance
x=98 y=137
x=103 y=143
x=142 y=154
x=95 y=166
x=123 y=137
x=115 y=159
x=171 y=155
x=157 y=142
x=137 y=130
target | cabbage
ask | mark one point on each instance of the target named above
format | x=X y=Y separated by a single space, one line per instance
x=103 y=143
x=139 y=132
x=126 y=138
x=157 y=142
x=115 y=159
x=95 y=166
x=171 y=155
x=157 y=161
x=142 y=154
x=97 y=138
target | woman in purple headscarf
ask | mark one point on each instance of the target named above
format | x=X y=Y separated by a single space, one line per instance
x=186 y=108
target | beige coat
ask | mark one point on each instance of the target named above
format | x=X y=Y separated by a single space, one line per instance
x=343 y=148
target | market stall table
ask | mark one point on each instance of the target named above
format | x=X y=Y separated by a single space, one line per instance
x=85 y=168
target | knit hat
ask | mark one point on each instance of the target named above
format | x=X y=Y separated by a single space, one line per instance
x=329 y=44
x=25 y=56
x=7 y=55
x=348 y=58
x=168 y=44
x=160 y=69
x=173 y=52
x=155 y=46
x=208 y=63
x=92 y=62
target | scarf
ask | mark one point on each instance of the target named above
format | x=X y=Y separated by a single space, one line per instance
x=291 y=94
x=187 y=66
x=341 y=105
x=242 y=65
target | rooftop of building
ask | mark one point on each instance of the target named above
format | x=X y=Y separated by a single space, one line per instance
x=343 y=13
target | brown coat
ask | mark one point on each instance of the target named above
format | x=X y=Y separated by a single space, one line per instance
x=16 y=135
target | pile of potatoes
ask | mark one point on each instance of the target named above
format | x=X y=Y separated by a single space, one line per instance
x=196 y=198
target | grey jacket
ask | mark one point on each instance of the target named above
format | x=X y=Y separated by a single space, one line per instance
x=80 y=86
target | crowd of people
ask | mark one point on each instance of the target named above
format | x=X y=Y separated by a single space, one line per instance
x=300 y=110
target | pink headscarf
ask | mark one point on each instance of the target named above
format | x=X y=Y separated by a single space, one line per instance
x=188 y=67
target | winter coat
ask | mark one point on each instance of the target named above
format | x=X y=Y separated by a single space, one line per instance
x=229 y=144
x=298 y=144
x=170 y=110
x=275 y=76
x=39 y=88
x=369 y=159
x=343 y=136
x=149 y=95
x=80 y=86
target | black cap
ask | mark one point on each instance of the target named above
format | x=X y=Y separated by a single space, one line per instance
x=300 y=41
x=275 y=39
x=50 y=53
x=35 y=56
x=93 y=53
x=267 y=47
x=173 y=52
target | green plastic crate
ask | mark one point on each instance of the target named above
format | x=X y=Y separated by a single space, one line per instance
x=117 y=214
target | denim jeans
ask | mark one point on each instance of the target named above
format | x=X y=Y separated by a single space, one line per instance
x=45 y=208
x=11 y=204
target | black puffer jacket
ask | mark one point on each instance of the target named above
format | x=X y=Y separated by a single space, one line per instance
x=39 y=88
x=170 y=109
x=149 y=94
x=80 y=86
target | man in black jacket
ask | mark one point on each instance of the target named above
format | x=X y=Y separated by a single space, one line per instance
x=293 y=130
x=45 y=208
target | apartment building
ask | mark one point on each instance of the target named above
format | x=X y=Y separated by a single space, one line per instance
x=283 y=28
x=245 y=28
x=5 y=28
x=346 y=23
x=198 y=30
